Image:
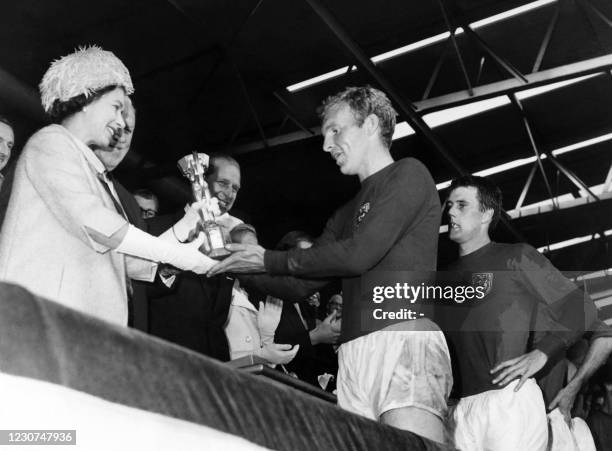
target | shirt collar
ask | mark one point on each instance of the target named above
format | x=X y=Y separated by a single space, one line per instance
x=89 y=155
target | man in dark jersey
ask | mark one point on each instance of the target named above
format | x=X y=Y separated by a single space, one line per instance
x=490 y=337
x=400 y=377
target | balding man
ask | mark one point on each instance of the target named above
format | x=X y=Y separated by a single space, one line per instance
x=193 y=311
x=7 y=140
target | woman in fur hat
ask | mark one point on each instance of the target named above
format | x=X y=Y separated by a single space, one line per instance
x=65 y=235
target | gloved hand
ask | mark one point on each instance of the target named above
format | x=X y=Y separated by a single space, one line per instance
x=277 y=353
x=268 y=318
x=187 y=227
x=184 y=256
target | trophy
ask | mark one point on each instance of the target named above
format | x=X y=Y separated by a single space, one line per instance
x=194 y=167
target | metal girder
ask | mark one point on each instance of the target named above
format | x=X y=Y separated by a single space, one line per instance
x=506 y=87
x=502 y=62
x=436 y=72
x=481 y=64
x=571 y=175
x=563 y=205
x=217 y=64
x=608 y=182
x=546 y=40
x=224 y=50
x=534 y=146
x=282 y=125
x=406 y=110
x=521 y=199
x=276 y=141
x=245 y=92
x=599 y=14
x=452 y=29
x=586 y=19
x=511 y=85
x=174 y=64
x=239 y=126
x=290 y=113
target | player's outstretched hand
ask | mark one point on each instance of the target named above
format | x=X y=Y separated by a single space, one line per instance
x=245 y=258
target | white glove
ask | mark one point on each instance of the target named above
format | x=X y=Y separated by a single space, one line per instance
x=184 y=256
x=187 y=225
x=268 y=318
x=277 y=354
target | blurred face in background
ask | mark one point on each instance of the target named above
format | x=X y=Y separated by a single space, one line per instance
x=7 y=139
x=148 y=207
x=335 y=304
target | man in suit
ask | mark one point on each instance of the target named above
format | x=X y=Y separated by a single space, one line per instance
x=148 y=202
x=111 y=157
x=192 y=312
x=7 y=140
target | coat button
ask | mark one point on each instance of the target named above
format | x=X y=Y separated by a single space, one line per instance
x=248 y=339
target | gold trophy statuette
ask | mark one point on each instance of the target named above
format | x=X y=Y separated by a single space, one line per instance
x=194 y=168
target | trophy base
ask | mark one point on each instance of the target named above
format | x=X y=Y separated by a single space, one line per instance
x=219 y=254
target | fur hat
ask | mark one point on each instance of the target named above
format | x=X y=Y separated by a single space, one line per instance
x=82 y=72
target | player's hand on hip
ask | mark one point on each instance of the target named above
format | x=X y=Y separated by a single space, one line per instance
x=522 y=367
x=564 y=401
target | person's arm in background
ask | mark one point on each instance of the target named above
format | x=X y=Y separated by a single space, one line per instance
x=568 y=310
x=571 y=311
x=599 y=351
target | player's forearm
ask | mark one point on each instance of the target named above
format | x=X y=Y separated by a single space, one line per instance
x=598 y=353
x=286 y=288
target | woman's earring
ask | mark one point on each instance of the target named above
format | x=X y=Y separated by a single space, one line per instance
x=84 y=109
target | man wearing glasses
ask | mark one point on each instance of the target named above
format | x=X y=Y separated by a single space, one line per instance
x=148 y=203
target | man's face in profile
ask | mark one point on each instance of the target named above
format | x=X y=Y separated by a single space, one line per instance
x=120 y=145
x=7 y=138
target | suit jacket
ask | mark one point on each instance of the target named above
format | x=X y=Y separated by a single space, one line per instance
x=192 y=313
x=138 y=316
x=291 y=331
x=311 y=360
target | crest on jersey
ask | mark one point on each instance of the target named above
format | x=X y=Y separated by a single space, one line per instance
x=483 y=279
x=363 y=211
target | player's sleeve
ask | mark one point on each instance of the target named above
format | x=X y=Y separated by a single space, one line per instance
x=287 y=288
x=565 y=310
x=398 y=205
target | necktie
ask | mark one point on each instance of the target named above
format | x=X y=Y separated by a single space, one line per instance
x=107 y=180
